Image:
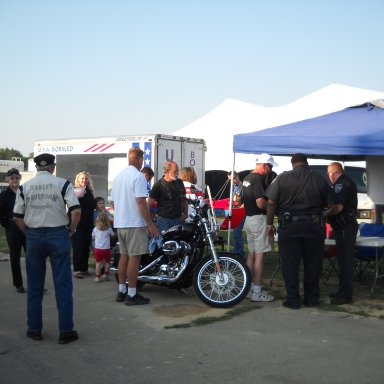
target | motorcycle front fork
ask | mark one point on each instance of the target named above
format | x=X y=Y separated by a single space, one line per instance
x=216 y=258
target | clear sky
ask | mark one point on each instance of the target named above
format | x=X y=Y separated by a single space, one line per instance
x=73 y=68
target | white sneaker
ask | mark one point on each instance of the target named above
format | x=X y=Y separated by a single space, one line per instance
x=262 y=296
x=105 y=277
x=97 y=280
x=249 y=294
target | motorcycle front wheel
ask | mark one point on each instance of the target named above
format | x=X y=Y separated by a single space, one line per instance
x=222 y=289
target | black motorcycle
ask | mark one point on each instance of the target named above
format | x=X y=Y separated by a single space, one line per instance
x=187 y=255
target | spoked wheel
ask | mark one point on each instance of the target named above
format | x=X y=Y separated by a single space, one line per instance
x=225 y=288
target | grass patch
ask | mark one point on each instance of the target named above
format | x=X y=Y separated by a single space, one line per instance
x=334 y=308
x=3 y=241
x=234 y=312
x=351 y=309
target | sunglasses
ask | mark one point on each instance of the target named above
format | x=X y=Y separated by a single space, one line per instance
x=14 y=178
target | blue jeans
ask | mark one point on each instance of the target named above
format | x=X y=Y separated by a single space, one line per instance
x=238 y=238
x=163 y=223
x=55 y=243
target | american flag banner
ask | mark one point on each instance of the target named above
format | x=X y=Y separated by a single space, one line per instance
x=147 y=152
x=148 y=159
x=147 y=155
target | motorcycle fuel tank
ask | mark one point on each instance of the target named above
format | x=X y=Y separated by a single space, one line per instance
x=180 y=232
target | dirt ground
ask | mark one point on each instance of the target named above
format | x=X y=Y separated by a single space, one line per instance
x=177 y=338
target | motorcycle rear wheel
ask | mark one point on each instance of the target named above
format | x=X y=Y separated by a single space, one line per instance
x=223 y=289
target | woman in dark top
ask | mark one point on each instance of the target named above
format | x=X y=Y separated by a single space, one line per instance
x=82 y=238
x=15 y=238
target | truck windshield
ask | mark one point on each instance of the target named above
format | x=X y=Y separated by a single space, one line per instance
x=357 y=174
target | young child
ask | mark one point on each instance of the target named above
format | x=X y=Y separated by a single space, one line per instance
x=100 y=208
x=101 y=235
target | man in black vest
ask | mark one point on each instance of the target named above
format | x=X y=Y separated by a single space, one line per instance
x=169 y=193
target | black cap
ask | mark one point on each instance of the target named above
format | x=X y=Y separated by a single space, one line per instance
x=13 y=171
x=44 y=159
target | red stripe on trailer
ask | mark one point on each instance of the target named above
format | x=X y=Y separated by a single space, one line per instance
x=98 y=148
x=88 y=149
x=109 y=146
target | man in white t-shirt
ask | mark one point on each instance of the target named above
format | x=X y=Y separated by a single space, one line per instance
x=133 y=223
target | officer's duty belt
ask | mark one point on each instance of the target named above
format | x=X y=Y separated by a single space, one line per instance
x=305 y=217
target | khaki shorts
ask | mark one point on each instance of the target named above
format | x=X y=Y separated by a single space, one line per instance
x=256 y=229
x=133 y=241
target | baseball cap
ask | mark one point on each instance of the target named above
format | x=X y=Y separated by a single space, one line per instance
x=44 y=159
x=264 y=158
x=13 y=171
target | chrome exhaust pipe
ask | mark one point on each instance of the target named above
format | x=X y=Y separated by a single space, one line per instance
x=164 y=278
x=150 y=265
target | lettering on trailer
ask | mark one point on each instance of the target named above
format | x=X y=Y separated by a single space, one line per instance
x=192 y=160
x=169 y=158
x=55 y=149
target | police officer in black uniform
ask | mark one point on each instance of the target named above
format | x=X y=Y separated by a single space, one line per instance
x=342 y=217
x=298 y=197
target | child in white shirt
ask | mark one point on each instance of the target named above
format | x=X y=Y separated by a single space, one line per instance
x=101 y=235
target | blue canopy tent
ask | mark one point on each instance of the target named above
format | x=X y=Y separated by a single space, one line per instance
x=349 y=134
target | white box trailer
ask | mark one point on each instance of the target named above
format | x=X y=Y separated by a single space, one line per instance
x=105 y=157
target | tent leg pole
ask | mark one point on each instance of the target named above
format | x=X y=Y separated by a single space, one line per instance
x=230 y=204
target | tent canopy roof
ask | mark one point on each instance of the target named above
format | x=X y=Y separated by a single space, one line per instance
x=351 y=133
